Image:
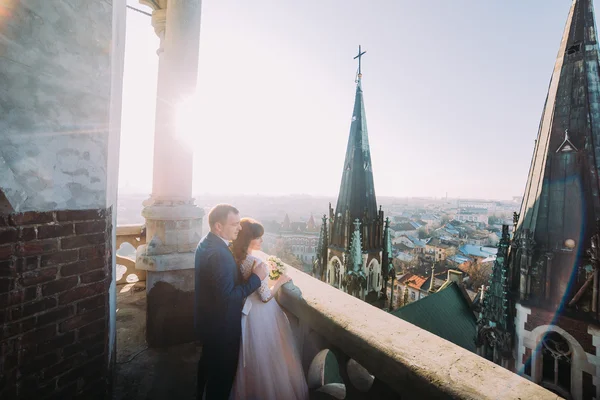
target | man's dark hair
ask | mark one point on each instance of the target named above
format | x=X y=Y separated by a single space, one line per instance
x=219 y=213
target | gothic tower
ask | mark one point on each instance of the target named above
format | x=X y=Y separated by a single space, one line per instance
x=553 y=258
x=355 y=226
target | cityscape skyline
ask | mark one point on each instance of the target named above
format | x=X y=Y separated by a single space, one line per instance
x=440 y=122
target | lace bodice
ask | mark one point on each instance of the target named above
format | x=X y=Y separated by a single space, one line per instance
x=246 y=269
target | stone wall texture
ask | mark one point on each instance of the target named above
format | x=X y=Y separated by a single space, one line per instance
x=55 y=91
x=55 y=273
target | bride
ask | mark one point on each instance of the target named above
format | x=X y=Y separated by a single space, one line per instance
x=269 y=365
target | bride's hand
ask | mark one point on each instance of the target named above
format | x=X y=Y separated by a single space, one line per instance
x=284 y=279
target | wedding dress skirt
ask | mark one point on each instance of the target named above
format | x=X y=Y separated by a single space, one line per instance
x=269 y=366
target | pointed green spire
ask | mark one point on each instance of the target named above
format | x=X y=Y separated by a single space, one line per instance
x=495 y=301
x=356 y=197
x=386 y=259
x=355 y=257
x=320 y=265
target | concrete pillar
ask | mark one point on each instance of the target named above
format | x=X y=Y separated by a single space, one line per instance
x=173 y=222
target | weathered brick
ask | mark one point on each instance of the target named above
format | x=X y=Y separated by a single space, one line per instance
x=94 y=367
x=30 y=294
x=27 y=233
x=38 y=306
x=8 y=235
x=31 y=218
x=91 y=303
x=82 y=266
x=8 y=269
x=10 y=361
x=95 y=350
x=17 y=297
x=82 y=240
x=39 y=363
x=82 y=320
x=82 y=228
x=59 y=285
x=57 y=342
x=94 y=276
x=39 y=335
x=39 y=276
x=62 y=257
x=98 y=251
x=37 y=247
x=25 y=264
x=54 y=316
x=65 y=390
x=94 y=389
x=93 y=334
x=6 y=285
x=88 y=331
x=6 y=251
x=80 y=215
x=81 y=292
x=29 y=390
x=64 y=365
x=53 y=231
x=16 y=313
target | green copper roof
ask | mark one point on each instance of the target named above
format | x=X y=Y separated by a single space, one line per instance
x=446 y=314
x=357 y=191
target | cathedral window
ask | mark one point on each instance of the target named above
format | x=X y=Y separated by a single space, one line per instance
x=556 y=363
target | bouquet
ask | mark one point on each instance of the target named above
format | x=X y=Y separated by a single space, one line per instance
x=277 y=267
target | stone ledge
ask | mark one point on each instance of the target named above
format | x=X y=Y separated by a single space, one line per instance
x=413 y=362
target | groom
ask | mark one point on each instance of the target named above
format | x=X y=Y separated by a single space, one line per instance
x=220 y=295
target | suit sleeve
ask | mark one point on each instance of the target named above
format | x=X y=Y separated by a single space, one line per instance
x=222 y=272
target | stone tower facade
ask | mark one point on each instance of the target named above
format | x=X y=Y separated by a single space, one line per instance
x=553 y=261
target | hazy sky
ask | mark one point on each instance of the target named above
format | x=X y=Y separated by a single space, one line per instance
x=453 y=91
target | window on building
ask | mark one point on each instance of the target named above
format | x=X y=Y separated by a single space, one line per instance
x=412 y=295
x=556 y=363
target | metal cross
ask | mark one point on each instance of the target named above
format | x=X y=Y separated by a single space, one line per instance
x=360 y=54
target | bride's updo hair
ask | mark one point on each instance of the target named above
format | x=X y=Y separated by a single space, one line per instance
x=251 y=229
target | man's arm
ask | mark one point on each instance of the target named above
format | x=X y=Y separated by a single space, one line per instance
x=223 y=277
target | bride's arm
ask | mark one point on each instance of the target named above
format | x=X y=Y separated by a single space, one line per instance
x=267 y=293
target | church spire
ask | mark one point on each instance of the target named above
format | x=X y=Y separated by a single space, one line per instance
x=320 y=265
x=357 y=191
x=562 y=196
x=493 y=328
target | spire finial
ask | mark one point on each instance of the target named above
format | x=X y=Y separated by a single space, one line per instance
x=359 y=56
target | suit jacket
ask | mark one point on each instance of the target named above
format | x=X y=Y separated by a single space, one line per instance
x=220 y=292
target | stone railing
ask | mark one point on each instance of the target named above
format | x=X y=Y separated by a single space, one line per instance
x=135 y=235
x=381 y=356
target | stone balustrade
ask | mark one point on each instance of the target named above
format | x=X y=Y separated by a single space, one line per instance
x=378 y=355
x=384 y=357
x=135 y=235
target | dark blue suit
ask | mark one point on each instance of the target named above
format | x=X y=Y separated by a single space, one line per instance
x=220 y=294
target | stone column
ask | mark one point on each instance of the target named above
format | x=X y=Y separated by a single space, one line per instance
x=173 y=222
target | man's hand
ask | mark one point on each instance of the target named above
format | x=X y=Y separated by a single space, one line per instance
x=260 y=270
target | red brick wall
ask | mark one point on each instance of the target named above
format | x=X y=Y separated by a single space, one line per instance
x=55 y=271
x=576 y=328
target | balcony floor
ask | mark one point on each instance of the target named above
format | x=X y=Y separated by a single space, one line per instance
x=143 y=373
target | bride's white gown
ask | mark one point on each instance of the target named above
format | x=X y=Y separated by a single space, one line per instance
x=269 y=366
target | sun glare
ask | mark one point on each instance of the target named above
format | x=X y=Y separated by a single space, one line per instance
x=187 y=121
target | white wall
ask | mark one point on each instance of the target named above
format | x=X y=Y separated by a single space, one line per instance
x=55 y=88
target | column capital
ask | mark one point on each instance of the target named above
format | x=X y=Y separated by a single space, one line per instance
x=159 y=19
